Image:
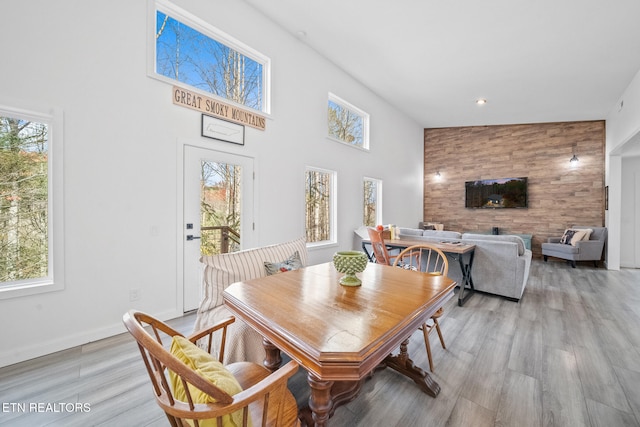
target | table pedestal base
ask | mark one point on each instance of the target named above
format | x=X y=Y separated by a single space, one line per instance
x=403 y=364
x=326 y=396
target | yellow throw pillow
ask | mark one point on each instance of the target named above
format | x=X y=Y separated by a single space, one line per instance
x=208 y=367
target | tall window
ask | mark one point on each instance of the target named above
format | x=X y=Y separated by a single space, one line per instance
x=193 y=52
x=372 y=202
x=24 y=200
x=320 y=205
x=347 y=123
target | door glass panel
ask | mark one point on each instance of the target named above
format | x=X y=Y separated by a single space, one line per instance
x=220 y=207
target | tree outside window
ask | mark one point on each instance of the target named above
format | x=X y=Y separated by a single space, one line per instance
x=372 y=202
x=220 y=206
x=187 y=55
x=320 y=213
x=347 y=123
x=24 y=198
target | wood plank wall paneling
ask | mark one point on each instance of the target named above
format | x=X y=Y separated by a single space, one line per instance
x=558 y=195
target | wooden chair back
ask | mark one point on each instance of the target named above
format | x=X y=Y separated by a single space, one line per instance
x=429 y=260
x=424 y=258
x=265 y=398
x=380 y=252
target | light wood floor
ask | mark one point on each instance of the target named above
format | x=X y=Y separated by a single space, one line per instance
x=567 y=355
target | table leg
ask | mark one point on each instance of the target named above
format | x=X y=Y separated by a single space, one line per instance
x=273 y=358
x=403 y=364
x=467 y=280
x=340 y=393
x=320 y=403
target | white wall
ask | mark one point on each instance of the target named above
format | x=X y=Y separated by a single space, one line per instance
x=121 y=134
x=623 y=124
x=630 y=213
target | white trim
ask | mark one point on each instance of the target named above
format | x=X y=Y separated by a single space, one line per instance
x=222 y=148
x=209 y=30
x=66 y=342
x=365 y=122
x=54 y=281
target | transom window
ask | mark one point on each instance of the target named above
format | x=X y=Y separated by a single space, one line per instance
x=347 y=123
x=372 y=202
x=320 y=196
x=192 y=52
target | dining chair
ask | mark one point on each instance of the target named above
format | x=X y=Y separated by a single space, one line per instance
x=380 y=252
x=428 y=260
x=194 y=388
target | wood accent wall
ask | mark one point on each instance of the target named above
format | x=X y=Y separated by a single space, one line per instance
x=558 y=195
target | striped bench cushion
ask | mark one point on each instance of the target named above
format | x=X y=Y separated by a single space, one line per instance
x=222 y=270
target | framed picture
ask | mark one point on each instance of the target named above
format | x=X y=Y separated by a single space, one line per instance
x=215 y=128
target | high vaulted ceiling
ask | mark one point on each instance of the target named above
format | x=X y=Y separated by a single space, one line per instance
x=534 y=61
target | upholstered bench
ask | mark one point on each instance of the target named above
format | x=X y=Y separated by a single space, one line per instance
x=244 y=344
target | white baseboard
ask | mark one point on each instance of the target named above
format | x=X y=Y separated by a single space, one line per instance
x=42 y=348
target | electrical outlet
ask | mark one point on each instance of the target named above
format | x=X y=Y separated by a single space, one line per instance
x=134 y=294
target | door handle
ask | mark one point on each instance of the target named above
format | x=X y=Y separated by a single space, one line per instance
x=192 y=237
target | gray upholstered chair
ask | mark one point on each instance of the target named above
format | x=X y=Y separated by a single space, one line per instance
x=583 y=250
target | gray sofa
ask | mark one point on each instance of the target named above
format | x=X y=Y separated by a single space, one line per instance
x=501 y=263
x=583 y=250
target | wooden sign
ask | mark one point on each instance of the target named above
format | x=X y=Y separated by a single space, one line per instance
x=213 y=107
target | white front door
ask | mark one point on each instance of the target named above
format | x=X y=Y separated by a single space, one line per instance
x=217 y=211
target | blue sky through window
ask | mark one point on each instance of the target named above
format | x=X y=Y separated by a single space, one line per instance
x=188 y=56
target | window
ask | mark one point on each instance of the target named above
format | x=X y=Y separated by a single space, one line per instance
x=320 y=209
x=372 y=202
x=220 y=207
x=347 y=124
x=27 y=208
x=190 y=51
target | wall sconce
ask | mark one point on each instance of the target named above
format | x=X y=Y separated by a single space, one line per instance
x=574 y=160
x=438 y=176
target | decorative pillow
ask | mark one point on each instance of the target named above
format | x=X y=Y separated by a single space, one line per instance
x=207 y=366
x=292 y=263
x=571 y=236
x=407 y=266
x=588 y=235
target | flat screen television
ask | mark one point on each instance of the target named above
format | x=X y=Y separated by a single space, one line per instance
x=496 y=193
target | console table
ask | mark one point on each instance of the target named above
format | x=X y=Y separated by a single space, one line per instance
x=456 y=249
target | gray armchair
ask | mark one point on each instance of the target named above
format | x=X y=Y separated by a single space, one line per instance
x=584 y=250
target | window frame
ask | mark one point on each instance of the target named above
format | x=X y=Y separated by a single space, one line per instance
x=54 y=281
x=363 y=115
x=378 y=199
x=333 y=208
x=211 y=31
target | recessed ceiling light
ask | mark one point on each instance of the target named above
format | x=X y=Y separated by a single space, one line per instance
x=481 y=101
x=301 y=34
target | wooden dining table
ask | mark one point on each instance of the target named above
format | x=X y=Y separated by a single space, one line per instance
x=340 y=334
